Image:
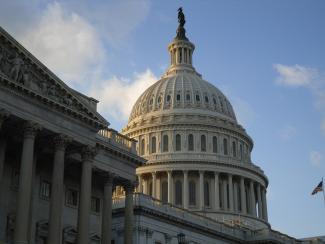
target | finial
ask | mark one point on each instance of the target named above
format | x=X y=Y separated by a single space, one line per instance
x=181 y=30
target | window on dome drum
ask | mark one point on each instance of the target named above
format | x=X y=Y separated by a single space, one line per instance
x=151 y=101
x=142 y=146
x=215 y=144
x=241 y=151
x=164 y=192
x=190 y=142
x=185 y=55
x=197 y=97
x=206 y=194
x=206 y=99
x=178 y=142
x=168 y=98
x=180 y=55
x=165 y=143
x=159 y=99
x=153 y=144
x=234 y=149
x=192 y=193
x=188 y=97
x=178 y=192
x=178 y=97
x=214 y=101
x=203 y=143
x=221 y=105
x=225 y=146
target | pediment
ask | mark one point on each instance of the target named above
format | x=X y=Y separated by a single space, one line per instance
x=22 y=72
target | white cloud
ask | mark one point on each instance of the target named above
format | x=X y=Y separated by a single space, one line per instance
x=287 y=133
x=295 y=75
x=66 y=43
x=316 y=158
x=118 y=95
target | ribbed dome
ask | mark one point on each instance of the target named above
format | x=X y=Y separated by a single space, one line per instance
x=181 y=91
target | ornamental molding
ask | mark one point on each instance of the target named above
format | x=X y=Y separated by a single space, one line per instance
x=23 y=74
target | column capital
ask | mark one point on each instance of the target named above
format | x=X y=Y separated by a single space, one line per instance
x=31 y=128
x=88 y=153
x=109 y=178
x=61 y=141
x=201 y=171
x=216 y=172
x=185 y=171
x=153 y=173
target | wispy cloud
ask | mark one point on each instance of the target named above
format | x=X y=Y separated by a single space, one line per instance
x=287 y=133
x=316 y=158
x=118 y=95
x=309 y=78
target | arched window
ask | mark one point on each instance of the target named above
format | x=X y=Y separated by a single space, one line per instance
x=153 y=144
x=164 y=192
x=168 y=98
x=178 y=192
x=215 y=144
x=188 y=97
x=214 y=101
x=142 y=146
x=178 y=97
x=165 y=143
x=190 y=142
x=178 y=142
x=234 y=149
x=206 y=99
x=197 y=97
x=225 y=146
x=206 y=194
x=203 y=143
x=241 y=151
x=192 y=193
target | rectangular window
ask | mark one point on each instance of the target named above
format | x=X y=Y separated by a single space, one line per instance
x=95 y=204
x=71 y=198
x=45 y=190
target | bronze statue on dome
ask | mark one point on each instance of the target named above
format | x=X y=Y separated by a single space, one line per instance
x=181 y=17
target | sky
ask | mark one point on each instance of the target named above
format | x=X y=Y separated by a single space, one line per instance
x=266 y=56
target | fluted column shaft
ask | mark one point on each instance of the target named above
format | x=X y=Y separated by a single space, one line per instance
x=259 y=201
x=224 y=195
x=128 y=217
x=231 y=193
x=21 y=235
x=235 y=197
x=265 y=217
x=201 y=191
x=57 y=188
x=85 y=195
x=154 y=188
x=107 y=211
x=170 y=186
x=185 y=191
x=140 y=187
x=252 y=196
x=216 y=191
x=243 y=196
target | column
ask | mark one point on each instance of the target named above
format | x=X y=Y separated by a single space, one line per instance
x=21 y=235
x=128 y=217
x=224 y=195
x=252 y=201
x=170 y=187
x=216 y=191
x=185 y=190
x=140 y=187
x=87 y=155
x=264 y=204
x=3 y=147
x=4 y=114
x=57 y=188
x=201 y=191
x=154 y=189
x=231 y=193
x=243 y=196
x=145 y=186
x=236 y=208
x=259 y=201
x=107 y=210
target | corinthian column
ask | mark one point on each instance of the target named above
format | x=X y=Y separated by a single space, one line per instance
x=107 y=211
x=21 y=235
x=259 y=200
x=55 y=221
x=128 y=217
x=3 y=143
x=252 y=195
x=87 y=155
x=170 y=186
x=201 y=191
x=231 y=193
x=264 y=204
x=154 y=190
x=216 y=191
x=242 y=196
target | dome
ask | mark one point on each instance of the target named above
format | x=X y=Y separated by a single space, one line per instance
x=183 y=92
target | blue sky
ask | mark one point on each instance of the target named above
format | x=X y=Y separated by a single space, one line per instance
x=266 y=56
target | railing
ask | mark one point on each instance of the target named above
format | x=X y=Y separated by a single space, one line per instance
x=118 y=139
x=142 y=200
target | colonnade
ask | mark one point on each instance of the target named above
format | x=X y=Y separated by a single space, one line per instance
x=23 y=211
x=229 y=192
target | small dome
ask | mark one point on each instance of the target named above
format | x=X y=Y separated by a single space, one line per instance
x=180 y=92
